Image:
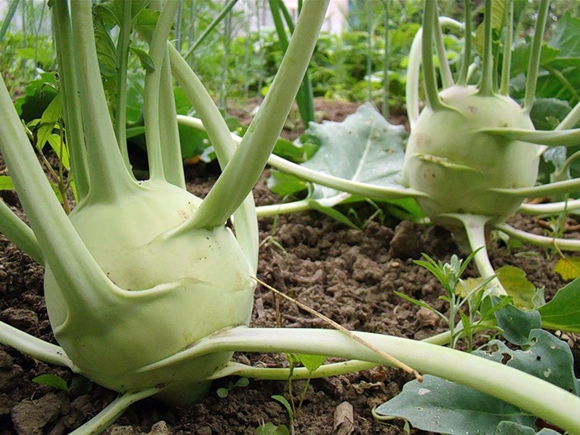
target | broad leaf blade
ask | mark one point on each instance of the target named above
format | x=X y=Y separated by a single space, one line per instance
x=563 y=311
x=364 y=147
x=441 y=406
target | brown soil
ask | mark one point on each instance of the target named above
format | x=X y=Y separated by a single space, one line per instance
x=348 y=275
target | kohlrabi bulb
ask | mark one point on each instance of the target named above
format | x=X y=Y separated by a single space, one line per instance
x=457 y=166
x=170 y=287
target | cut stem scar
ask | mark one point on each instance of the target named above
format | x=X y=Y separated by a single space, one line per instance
x=341 y=328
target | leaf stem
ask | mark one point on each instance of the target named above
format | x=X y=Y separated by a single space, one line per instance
x=504 y=88
x=74 y=131
x=429 y=75
x=109 y=177
x=535 y=56
x=157 y=50
x=465 y=62
x=121 y=94
x=514 y=386
x=247 y=164
x=486 y=87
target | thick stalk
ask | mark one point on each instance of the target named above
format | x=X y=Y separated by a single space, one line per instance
x=62 y=248
x=571 y=119
x=465 y=61
x=385 y=106
x=475 y=228
x=542 y=241
x=429 y=75
x=534 y=63
x=555 y=188
x=157 y=50
x=19 y=233
x=246 y=166
x=507 y=50
x=121 y=94
x=75 y=139
x=219 y=134
x=532 y=394
x=547 y=138
x=34 y=347
x=112 y=412
x=110 y=179
x=444 y=68
x=170 y=146
x=486 y=86
x=551 y=208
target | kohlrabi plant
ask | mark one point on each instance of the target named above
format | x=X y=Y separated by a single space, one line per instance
x=149 y=291
x=472 y=156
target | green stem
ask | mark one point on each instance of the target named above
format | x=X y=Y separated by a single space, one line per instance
x=34 y=347
x=571 y=119
x=109 y=176
x=219 y=134
x=534 y=63
x=550 y=208
x=548 y=138
x=507 y=51
x=121 y=94
x=475 y=228
x=465 y=62
x=211 y=27
x=555 y=188
x=294 y=374
x=15 y=230
x=429 y=75
x=445 y=70
x=157 y=50
x=528 y=392
x=74 y=131
x=247 y=164
x=61 y=246
x=171 y=145
x=8 y=18
x=486 y=87
x=286 y=208
x=341 y=184
x=385 y=106
x=112 y=412
x=542 y=241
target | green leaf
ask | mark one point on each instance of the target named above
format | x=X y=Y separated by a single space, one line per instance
x=517 y=324
x=57 y=145
x=545 y=357
x=568 y=268
x=440 y=406
x=37 y=96
x=144 y=58
x=48 y=120
x=285 y=184
x=285 y=403
x=6 y=183
x=53 y=381
x=296 y=152
x=511 y=428
x=364 y=148
x=517 y=286
x=563 y=311
x=271 y=429
x=311 y=362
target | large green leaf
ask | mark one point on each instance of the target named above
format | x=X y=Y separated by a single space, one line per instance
x=441 y=406
x=364 y=147
x=563 y=311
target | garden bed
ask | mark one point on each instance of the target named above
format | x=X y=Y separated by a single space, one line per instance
x=349 y=275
